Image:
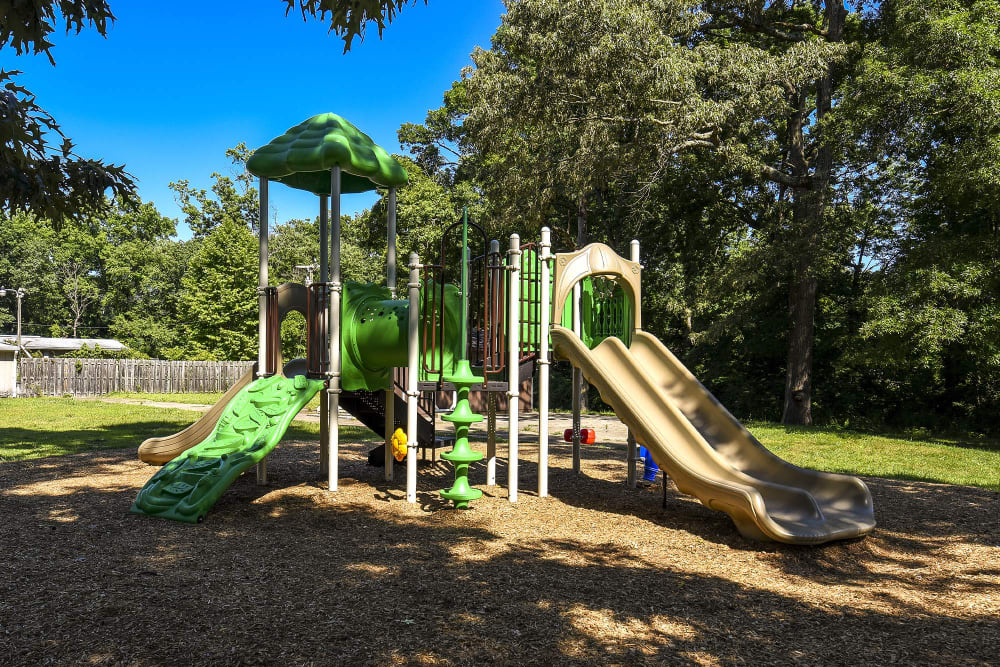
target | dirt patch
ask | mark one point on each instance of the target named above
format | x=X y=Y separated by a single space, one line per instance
x=597 y=573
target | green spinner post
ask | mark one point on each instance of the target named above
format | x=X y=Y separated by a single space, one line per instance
x=461 y=455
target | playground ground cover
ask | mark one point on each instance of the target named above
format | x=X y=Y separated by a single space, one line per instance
x=595 y=574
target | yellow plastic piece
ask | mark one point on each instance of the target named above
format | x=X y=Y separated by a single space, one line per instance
x=399 y=444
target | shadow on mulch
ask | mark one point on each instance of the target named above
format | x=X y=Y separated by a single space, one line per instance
x=598 y=573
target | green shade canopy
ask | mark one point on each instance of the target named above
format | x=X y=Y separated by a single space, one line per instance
x=304 y=155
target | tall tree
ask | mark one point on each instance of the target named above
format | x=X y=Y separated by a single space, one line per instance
x=26 y=246
x=931 y=330
x=218 y=306
x=578 y=99
x=232 y=198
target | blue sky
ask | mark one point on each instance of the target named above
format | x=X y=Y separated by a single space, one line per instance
x=176 y=83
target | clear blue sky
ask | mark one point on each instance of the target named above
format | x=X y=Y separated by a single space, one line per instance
x=176 y=83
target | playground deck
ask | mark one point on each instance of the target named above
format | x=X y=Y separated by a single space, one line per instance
x=596 y=573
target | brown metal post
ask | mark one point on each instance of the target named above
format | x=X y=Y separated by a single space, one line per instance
x=273 y=338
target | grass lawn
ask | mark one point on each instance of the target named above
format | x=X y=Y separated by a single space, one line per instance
x=947 y=460
x=193 y=398
x=190 y=398
x=36 y=427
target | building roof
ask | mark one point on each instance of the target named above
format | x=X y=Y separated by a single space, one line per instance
x=61 y=344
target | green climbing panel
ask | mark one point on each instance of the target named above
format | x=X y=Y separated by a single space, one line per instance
x=251 y=425
x=604 y=313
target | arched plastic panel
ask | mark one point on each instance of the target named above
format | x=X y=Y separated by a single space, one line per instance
x=595 y=259
x=291 y=296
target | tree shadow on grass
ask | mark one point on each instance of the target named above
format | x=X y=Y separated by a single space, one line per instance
x=26 y=443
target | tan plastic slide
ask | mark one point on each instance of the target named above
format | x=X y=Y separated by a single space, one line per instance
x=709 y=454
x=158 y=451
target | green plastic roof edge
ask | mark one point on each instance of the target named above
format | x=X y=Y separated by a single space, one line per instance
x=304 y=155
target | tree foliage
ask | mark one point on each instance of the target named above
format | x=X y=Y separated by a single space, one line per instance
x=218 y=301
x=814 y=187
x=39 y=171
x=350 y=18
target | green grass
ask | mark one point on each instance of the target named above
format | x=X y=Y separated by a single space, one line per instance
x=190 y=398
x=949 y=460
x=31 y=428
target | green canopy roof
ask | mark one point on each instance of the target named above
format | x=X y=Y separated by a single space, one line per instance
x=303 y=156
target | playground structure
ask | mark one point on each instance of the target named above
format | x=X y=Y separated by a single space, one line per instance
x=378 y=356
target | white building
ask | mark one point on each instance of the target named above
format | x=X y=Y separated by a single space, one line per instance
x=47 y=347
x=8 y=368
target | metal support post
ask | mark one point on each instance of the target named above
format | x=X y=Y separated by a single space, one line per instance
x=390 y=255
x=262 y=304
x=262 y=282
x=491 y=415
x=513 y=361
x=390 y=428
x=633 y=458
x=413 y=363
x=324 y=278
x=577 y=383
x=633 y=447
x=390 y=281
x=333 y=386
x=491 y=438
x=543 y=363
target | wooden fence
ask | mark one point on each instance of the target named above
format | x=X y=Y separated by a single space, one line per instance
x=56 y=376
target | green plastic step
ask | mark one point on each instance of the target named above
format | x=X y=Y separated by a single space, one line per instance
x=251 y=425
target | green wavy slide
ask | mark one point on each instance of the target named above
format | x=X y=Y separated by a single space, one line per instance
x=251 y=425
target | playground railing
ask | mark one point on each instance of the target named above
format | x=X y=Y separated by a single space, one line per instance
x=317 y=352
x=530 y=313
x=486 y=342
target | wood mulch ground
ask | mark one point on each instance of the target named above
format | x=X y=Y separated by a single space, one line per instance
x=596 y=573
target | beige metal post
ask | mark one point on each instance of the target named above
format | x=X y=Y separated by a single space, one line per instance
x=324 y=278
x=543 y=363
x=633 y=447
x=412 y=378
x=513 y=362
x=262 y=304
x=390 y=281
x=333 y=388
x=577 y=382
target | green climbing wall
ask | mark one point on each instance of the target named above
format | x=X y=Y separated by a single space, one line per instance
x=248 y=429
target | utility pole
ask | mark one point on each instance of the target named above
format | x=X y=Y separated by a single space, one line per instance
x=308 y=269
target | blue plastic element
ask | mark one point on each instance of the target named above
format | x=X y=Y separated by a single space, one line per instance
x=649 y=465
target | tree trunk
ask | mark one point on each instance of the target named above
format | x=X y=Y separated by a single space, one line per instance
x=809 y=211
x=798 y=380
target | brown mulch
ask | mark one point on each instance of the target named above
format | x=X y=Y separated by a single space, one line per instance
x=596 y=573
